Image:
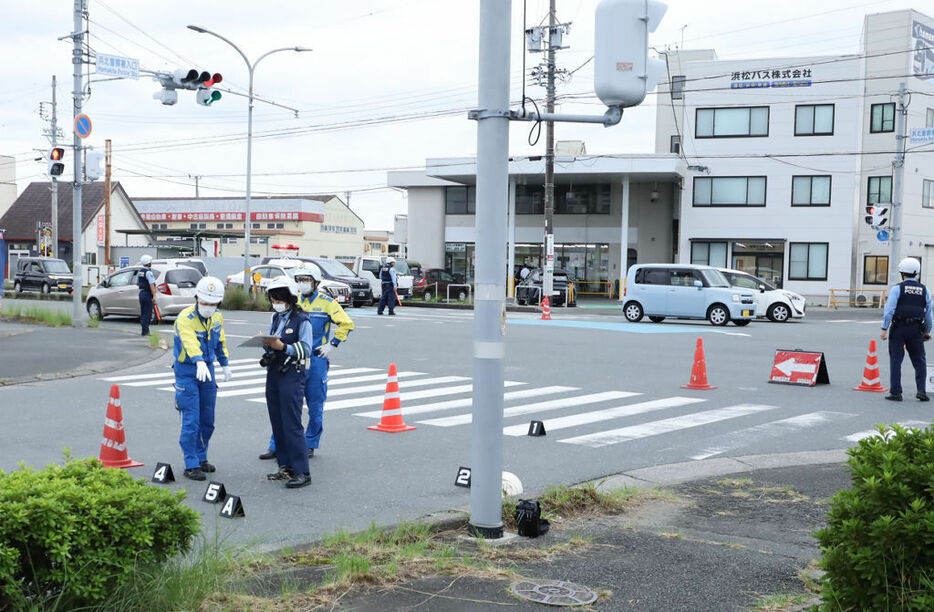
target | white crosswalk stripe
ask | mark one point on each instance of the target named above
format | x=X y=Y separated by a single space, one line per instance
x=655 y=428
x=467 y=401
x=859 y=435
x=596 y=416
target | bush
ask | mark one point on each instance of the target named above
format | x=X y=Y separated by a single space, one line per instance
x=72 y=533
x=877 y=546
x=235 y=298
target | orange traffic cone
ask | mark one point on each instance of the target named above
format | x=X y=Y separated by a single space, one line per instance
x=699 y=371
x=113 y=444
x=546 y=309
x=871 y=378
x=391 y=419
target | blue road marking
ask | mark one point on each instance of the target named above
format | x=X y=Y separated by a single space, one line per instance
x=636 y=328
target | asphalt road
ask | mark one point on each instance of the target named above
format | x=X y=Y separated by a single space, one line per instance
x=608 y=392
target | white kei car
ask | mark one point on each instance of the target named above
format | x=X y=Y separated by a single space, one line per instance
x=776 y=304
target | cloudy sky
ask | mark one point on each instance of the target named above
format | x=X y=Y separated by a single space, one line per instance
x=388 y=85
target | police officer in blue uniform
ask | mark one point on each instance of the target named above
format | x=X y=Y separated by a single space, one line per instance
x=322 y=312
x=199 y=340
x=388 y=284
x=147 y=293
x=908 y=317
x=286 y=363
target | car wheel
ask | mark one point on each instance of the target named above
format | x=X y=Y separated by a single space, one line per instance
x=633 y=312
x=718 y=315
x=656 y=319
x=46 y=289
x=18 y=287
x=94 y=309
x=778 y=312
x=741 y=323
x=427 y=296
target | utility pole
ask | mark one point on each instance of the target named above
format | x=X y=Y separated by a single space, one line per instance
x=107 y=203
x=77 y=60
x=548 y=277
x=197 y=178
x=897 y=180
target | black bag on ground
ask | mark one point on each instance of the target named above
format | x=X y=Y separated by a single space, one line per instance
x=529 y=521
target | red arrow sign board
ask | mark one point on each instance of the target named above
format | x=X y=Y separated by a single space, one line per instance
x=799 y=367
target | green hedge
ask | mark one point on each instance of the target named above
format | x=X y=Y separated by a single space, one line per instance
x=878 y=546
x=72 y=533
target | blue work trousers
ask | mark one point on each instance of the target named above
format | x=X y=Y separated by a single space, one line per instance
x=316 y=392
x=195 y=402
x=902 y=337
x=284 y=394
x=388 y=298
x=145 y=311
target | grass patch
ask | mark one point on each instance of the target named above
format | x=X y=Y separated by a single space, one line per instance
x=35 y=314
x=779 y=602
x=94 y=322
x=734 y=482
x=154 y=339
x=571 y=502
x=235 y=298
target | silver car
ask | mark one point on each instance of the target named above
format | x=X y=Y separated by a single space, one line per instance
x=118 y=293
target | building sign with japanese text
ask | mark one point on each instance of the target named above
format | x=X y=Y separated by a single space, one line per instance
x=923 y=58
x=231 y=216
x=770 y=78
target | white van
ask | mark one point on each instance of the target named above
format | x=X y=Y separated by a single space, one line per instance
x=685 y=291
x=372 y=263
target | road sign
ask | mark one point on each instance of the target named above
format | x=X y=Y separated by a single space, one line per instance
x=124 y=262
x=114 y=65
x=83 y=126
x=799 y=367
x=882 y=236
x=922 y=135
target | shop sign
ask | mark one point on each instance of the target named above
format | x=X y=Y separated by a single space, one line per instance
x=771 y=78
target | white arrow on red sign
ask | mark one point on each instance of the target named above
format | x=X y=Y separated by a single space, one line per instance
x=790 y=365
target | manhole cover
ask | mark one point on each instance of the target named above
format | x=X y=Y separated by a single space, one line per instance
x=554 y=592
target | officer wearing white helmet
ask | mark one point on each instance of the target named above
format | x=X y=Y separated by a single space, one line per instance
x=147 y=293
x=907 y=324
x=199 y=341
x=322 y=312
x=286 y=362
x=388 y=284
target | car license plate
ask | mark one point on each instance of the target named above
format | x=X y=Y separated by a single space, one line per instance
x=361 y=293
x=186 y=292
x=747 y=313
x=62 y=286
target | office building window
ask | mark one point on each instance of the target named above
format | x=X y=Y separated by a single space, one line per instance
x=929 y=118
x=157 y=226
x=807 y=260
x=708 y=254
x=589 y=199
x=677 y=87
x=225 y=226
x=732 y=122
x=814 y=120
x=275 y=226
x=197 y=226
x=460 y=200
x=875 y=270
x=882 y=117
x=729 y=191
x=810 y=191
x=879 y=190
x=927 y=194
x=675 y=145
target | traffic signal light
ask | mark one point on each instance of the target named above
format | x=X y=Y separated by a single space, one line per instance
x=623 y=71
x=193 y=79
x=56 y=161
x=880 y=216
x=93 y=162
x=207 y=96
x=870 y=210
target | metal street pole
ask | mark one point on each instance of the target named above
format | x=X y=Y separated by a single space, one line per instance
x=486 y=433
x=247 y=281
x=897 y=181
x=54 y=178
x=549 y=263
x=77 y=59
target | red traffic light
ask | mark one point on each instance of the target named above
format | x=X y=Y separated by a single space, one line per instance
x=56 y=154
x=212 y=80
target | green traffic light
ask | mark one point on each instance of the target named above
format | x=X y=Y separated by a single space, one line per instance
x=215 y=96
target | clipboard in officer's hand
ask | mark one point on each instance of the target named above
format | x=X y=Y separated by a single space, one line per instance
x=258 y=340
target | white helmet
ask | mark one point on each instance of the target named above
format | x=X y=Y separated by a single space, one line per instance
x=390 y=260
x=145 y=260
x=910 y=266
x=310 y=270
x=283 y=281
x=210 y=289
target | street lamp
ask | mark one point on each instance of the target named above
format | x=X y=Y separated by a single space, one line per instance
x=249 y=142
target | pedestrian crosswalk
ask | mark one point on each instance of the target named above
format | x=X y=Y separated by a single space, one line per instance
x=572 y=416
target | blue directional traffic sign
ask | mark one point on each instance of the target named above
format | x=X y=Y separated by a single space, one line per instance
x=83 y=126
x=883 y=235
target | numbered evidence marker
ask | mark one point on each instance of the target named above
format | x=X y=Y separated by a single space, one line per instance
x=463 y=477
x=232 y=507
x=536 y=428
x=215 y=493
x=163 y=473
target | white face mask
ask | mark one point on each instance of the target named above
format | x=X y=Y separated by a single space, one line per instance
x=279 y=307
x=206 y=311
x=305 y=288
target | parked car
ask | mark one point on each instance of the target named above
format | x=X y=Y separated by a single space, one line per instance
x=434 y=283
x=776 y=304
x=333 y=270
x=262 y=275
x=118 y=293
x=191 y=262
x=42 y=274
x=529 y=289
x=373 y=263
x=685 y=291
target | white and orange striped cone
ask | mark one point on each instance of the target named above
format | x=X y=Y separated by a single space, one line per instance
x=546 y=309
x=391 y=419
x=113 y=444
x=871 y=378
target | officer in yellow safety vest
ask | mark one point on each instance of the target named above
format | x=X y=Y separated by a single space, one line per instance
x=323 y=312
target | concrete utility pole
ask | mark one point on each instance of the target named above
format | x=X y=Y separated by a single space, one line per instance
x=486 y=432
x=77 y=60
x=549 y=263
x=897 y=180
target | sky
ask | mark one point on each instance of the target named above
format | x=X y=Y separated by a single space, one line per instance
x=388 y=83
